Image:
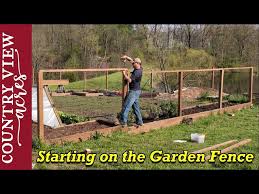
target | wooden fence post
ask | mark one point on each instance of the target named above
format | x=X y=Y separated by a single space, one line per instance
x=221 y=88
x=212 y=78
x=106 y=81
x=33 y=76
x=180 y=81
x=151 y=80
x=124 y=88
x=40 y=106
x=84 y=80
x=250 y=93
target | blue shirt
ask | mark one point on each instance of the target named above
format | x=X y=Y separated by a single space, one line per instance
x=135 y=77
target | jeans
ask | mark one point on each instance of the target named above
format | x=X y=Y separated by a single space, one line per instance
x=132 y=100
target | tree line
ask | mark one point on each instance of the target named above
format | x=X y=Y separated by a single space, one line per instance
x=159 y=46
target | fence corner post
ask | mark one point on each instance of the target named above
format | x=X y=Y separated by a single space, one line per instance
x=40 y=106
x=221 y=88
x=251 y=85
x=212 y=78
x=180 y=81
x=106 y=80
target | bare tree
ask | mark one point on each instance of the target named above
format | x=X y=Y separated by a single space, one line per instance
x=189 y=31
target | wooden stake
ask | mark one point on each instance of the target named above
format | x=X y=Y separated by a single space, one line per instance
x=83 y=70
x=228 y=149
x=221 y=88
x=180 y=81
x=40 y=107
x=214 y=146
x=251 y=86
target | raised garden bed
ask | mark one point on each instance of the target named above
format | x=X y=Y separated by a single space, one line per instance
x=86 y=94
x=84 y=131
x=60 y=94
x=203 y=108
x=71 y=129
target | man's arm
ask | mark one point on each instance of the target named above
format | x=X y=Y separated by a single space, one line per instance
x=125 y=57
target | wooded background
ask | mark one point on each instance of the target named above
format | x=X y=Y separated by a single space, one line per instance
x=158 y=46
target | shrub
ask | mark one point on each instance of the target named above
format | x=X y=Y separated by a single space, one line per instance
x=154 y=112
x=204 y=96
x=237 y=98
x=168 y=109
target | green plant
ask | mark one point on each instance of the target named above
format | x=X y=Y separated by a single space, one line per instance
x=96 y=135
x=131 y=117
x=226 y=97
x=168 y=109
x=204 y=96
x=71 y=118
x=154 y=112
x=36 y=144
x=237 y=98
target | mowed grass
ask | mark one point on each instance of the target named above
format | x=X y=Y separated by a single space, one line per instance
x=114 y=83
x=218 y=129
x=94 y=106
x=102 y=105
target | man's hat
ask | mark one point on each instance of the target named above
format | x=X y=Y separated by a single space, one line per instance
x=137 y=60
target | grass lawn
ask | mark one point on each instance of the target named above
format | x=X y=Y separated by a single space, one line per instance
x=218 y=129
x=101 y=105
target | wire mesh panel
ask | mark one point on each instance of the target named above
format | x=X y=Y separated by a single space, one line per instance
x=165 y=94
x=236 y=85
x=89 y=95
x=159 y=96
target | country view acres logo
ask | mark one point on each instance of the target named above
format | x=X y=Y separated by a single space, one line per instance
x=13 y=102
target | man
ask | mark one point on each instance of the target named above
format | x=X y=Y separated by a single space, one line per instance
x=132 y=99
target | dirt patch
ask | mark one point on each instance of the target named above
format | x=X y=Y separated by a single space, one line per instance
x=196 y=109
x=91 y=126
x=69 y=129
x=189 y=93
x=204 y=108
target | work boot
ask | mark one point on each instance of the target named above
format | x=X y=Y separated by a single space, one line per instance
x=124 y=125
x=139 y=125
x=116 y=122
